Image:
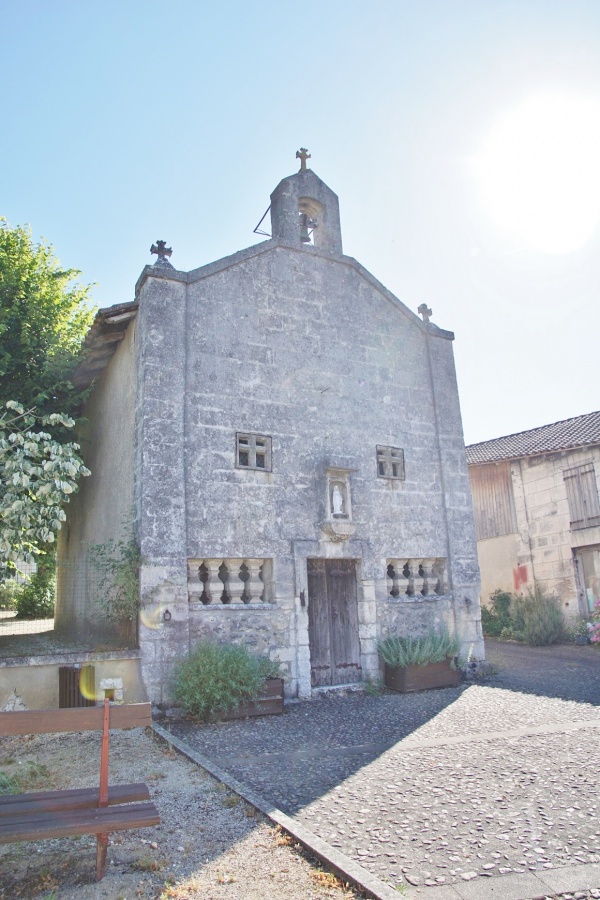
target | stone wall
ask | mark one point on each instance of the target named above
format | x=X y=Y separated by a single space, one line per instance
x=312 y=352
x=541 y=550
x=32 y=682
x=102 y=509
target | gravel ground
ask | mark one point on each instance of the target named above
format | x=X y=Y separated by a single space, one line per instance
x=567 y=671
x=209 y=843
x=419 y=789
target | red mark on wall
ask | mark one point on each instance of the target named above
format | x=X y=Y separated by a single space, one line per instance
x=519 y=576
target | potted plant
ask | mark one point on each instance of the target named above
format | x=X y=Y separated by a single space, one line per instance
x=419 y=663
x=226 y=681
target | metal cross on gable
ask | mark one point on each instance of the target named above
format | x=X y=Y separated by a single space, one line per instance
x=161 y=249
x=302 y=154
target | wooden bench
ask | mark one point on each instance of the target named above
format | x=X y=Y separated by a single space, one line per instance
x=99 y=811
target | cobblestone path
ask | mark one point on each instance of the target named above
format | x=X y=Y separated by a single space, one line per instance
x=439 y=787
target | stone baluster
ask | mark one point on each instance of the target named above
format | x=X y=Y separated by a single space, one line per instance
x=392 y=577
x=439 y=571
x=254 y=585
x=403 y=578
x=235 y=585
x=415 y=578
x=214 y=585
x=266 y=576
x=429 y=579
x=195 y=586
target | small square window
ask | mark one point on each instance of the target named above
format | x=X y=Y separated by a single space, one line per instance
x=253 y=451
x=390 y=463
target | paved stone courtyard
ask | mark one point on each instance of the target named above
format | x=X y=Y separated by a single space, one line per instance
x=443 y=787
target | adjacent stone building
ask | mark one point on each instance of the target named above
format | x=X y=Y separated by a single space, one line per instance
x=285 y=436
x=537 y=513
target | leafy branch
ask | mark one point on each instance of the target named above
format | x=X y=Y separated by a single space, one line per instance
x=37 y=476
x=118 y=564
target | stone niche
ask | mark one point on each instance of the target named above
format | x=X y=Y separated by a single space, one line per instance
x=338 y=524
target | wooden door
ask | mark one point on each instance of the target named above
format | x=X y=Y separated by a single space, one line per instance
x=333 y=622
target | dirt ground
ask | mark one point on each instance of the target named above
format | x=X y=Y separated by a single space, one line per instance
x=210 y=844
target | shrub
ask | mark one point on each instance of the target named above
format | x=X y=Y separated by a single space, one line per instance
x=8 y=594
x=495 y=620
x=35 y=600
x=216 y=677
x=594 y=624
x=489 y=623
x=538 y=619
x=434 y=646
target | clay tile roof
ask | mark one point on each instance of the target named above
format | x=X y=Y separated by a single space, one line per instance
x=576 y=432
x=107 y=331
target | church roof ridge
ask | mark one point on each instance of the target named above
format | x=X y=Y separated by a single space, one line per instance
x=241 y=256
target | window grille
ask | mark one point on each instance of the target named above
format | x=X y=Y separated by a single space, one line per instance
x=390 y=462
x=253 y=451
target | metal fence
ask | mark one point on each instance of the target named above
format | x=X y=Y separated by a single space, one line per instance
x=69 y=617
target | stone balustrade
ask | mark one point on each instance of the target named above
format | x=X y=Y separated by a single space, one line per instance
x=229 y=581
x=416 y=578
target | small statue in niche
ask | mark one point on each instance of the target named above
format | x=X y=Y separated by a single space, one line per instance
x=337 y=501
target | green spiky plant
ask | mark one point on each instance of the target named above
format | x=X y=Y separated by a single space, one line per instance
x=436 y=645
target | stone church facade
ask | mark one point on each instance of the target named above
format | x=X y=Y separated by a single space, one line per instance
x=285 y=436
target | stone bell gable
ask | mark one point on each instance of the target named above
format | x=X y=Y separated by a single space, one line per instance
x=299 y=480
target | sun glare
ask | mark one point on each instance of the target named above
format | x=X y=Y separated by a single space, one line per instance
x=538 y=171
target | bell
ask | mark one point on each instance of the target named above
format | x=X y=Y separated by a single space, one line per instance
x=304 y=233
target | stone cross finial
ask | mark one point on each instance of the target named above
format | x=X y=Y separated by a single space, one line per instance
x=161 y=250
x=424 y=311
x=302 y=154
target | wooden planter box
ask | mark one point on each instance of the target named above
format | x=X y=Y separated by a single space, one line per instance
x=421 y=678
x=269 y=703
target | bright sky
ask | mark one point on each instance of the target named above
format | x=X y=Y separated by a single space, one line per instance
x=463 y=139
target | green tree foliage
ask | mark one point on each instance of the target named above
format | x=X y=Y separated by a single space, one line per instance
x=43 y=320
x=37 y=476
x=44 y=317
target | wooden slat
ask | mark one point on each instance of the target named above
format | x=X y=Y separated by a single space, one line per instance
x=77 y=798
x=319 y=625
x=345 y=646
x=582 y=494
x=55 y=721
x=40 y=826
x=493 y=500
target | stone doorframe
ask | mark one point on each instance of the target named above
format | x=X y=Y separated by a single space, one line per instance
x=367 y=608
